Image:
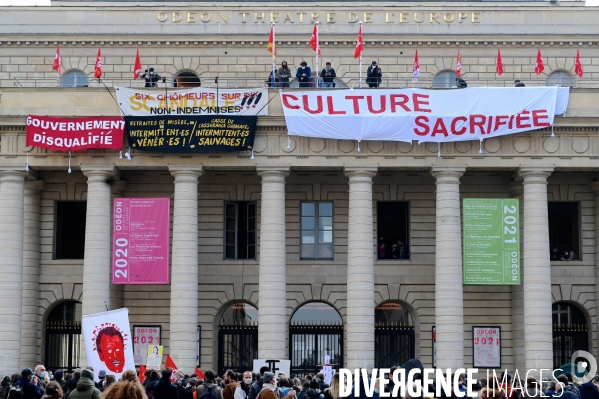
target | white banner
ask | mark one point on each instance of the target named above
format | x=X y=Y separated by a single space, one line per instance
x=276 y=366
x=196 y=101
x=421 y=115
x=108 y=342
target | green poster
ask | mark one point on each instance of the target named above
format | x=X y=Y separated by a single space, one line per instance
x=491 y=241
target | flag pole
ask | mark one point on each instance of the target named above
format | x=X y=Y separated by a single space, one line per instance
x=317 y=48
x=274 y=52
x=361 y=57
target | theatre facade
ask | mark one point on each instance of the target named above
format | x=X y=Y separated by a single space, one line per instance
x=276 y=253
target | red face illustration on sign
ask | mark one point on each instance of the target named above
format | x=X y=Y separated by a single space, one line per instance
x=111 y=349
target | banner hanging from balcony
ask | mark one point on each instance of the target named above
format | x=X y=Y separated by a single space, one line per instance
x=219 y=133
x=195 y=101
x=74 y=134
x=421 y=115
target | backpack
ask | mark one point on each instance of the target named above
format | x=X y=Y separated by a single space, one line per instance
x=16 y=392
x=209 y=392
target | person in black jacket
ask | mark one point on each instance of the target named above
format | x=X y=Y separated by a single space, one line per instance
x=30 y=390
x=151 y=382
x=257 y=386
x=328 y=76
x=461 y=83
x=164 y=389
x=374 y=75
x=151 y=78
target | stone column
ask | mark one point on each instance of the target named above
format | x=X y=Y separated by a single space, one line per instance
x=184 y=268
x=360 y=270
x=272 y=307
x=449 y=295
x=595 y=188
x=31 y=272
x=12 y=185
x=517 y=189
x=538 y=331
x=97 y=256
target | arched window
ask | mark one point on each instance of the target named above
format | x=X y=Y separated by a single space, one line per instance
x=394 y=335
x=560 y=78
x=570 y=332
x=74 y=79
x=237 y=337
x=186 y=79
x=63 y=336
x=444 y=80
x=316 y=331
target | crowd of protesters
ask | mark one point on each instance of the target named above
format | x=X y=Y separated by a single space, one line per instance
x=166 y=384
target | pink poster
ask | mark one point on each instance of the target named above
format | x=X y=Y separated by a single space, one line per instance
x=140 y=245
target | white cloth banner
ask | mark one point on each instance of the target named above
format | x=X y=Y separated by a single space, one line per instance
x=422 y=115
x=195 y=101
x=108 y=342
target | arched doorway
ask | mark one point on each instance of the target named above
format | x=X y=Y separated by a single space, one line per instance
x=237 y=338
x=315 y=332
x=63 y=336
x=570 y=332
x=394 y=341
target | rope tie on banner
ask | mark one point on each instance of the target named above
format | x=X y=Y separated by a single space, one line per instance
x=121 y=154
x=480 y=147
x=552 y=135
x=359 y=150
x=27 y=164
x=439 y=150
x=288 y=143
x=69 y=161
x=128 y=154
x=252 y=157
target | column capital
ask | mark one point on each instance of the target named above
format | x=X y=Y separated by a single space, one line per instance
x=186 y=171
x=10 y=174
x=282 y=171
x=535 y=175
x=99 y=172
x=440 y=172
x=34 y=186
x=356 y=171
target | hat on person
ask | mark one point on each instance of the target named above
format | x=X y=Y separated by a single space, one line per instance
x=373 y=62
x=58 y=374
x=26 y=372
x=151 y=69
x=517 y=81
x=102 y=374
x=268 y=377
x=87 y=373
x=509 y=377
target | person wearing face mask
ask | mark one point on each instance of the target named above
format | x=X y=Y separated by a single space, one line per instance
x=151 y=78
x=283 y=74
x=328 y=76
x=42 y=374
x=269 y=388
x=303 y=74
x=243 y=388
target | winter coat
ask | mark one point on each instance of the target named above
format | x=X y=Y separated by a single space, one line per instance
x=374 y=75
x=69 y=386
x=151 y=385
x=30 y=390
x=267 y=393
x=86 y=389
x=564 y=394
x=304 y=81
x=229 y=391
x=4 y=391
x=588 y=391
x=202 y=387
x=283 y=74
x=240 y=392
x=165 y=390
x=314 y=394
x=255 y=389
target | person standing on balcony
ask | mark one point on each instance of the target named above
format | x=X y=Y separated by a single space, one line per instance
x=328 y=76
x=374 y=75
x=283 y=74
x=304 y=74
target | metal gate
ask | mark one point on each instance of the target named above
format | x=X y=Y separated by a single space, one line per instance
x=567 y=339
x=394 y=344
x=237 y=347
x=310 y=342
x=63 y=345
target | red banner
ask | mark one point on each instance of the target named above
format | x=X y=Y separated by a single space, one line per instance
x=74 y=134
x=140 y=241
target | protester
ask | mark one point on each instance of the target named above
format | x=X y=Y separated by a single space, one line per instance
x=588 y=390
x=555 y=255
x=86 y=389
x=461 y=83
x=332 y=392
x=568 y=384
x=302 y=394
x=303 y=75
x=101 y=377
x=283 y=74
x=493 y=390
x=127 y=388
x=29 y=388
x=71 y=383
x=374 y=75
x=269 y=388
x=151 y=382
x=533 y=388
x=517 y=83
x=151 y=78
x=53 y=391
x=42 y=374
x=257 y=385
x=231 y=384
x=59 y=378
x=164 y=389
x=108 y=381
x=562 y=392
x=209 y=389
x=4 y=387
x=569 y=255
x=328 y=76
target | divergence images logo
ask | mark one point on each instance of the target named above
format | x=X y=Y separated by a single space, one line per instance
x=583 y=361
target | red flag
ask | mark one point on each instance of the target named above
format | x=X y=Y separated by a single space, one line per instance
x=314 y=42
x=272 y=47
x=458 y=66
x=539 y=67
x=416 y=69
x=578 y=65
x=57 y=63
x=499 y=67
x=142 y=373
x=359 y=44
x=137 y=66
x=98 y=67
x=171 y=365
x=199 y=373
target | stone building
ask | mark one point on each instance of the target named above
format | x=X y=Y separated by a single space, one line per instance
x=283 y=299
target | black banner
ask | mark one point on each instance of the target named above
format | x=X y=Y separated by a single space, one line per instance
x=191 y=133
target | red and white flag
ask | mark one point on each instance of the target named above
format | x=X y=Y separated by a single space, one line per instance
x=499 y=67
x=539 y=67
x=57 y=62
x=416 y=69
x=271 y=46
x=169 y=364
x=314 y=42
x=578 y=65
x=359 y=44
x=98 y=67
x=137 y=66
x=142 y=373
x=458 y=66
